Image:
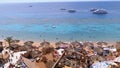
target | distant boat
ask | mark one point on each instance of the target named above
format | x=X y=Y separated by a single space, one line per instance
x=62 y=9
x=93 y=9
x=100 y=11
x=30 y=6
x=71 y=11
x=53 y=26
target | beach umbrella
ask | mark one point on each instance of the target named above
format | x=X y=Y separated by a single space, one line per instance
x=22 y=48
x=27 y=55
x=28 y=43
x=102 y=43
x=1 y=55
x=76 y=43
x=1 y=43
x=45 y=43
x=47 y=50
x=88 y=44
x=35 y=53
x=28 y=46
x=1 y=48
x=99 y=50
x=58 y=44
x=93 y=57
x=16 y=41
x=63 y=46
x=88 y=48
x=118 y=45
x=13 y=46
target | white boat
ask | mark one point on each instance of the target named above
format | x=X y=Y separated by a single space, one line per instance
x=71 y=11
x=53 y=26
x=93 y=9
x=100 y=11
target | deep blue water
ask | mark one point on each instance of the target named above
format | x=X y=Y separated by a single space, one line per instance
x=35 y=23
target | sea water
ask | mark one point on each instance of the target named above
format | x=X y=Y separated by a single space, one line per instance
x=46 y=21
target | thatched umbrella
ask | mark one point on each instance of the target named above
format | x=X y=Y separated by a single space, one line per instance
x=22 y=48
x=88 y=44
x=1 y=55
x=28 y=47
x=47 y=50
x=1 y=48
x=28 y=43
x=99 y=50
x=60 y=44
x=45 y=43
x=16 y=41
x=35 y=53
x=102 y=43
x=27 y=55
x=1 y=43
x=2 y=61
x=76 y=43
x=118 y=45
x=32 y=54
x=13 y=46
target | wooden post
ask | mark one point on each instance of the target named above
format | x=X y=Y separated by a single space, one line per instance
x=56 y=63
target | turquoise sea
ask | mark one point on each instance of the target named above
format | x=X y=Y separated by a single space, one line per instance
x=45 y=21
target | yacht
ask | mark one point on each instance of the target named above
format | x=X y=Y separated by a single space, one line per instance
x=93 y=9
x=100 y=11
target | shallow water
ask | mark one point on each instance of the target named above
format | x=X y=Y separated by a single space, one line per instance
x=47 y=21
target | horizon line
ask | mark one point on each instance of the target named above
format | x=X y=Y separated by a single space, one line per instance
x=57 y=1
